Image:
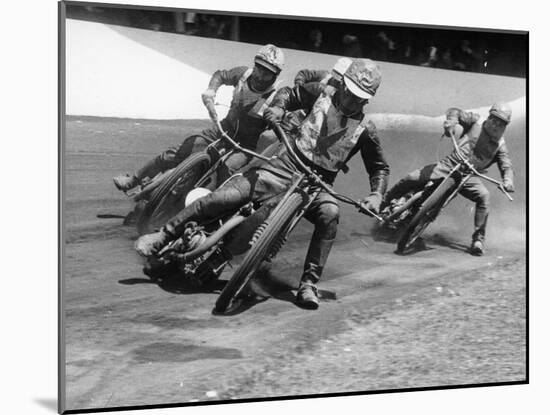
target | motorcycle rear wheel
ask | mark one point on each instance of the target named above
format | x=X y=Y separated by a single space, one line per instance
x=426 y=214
x=169 y=197
x=271 y=230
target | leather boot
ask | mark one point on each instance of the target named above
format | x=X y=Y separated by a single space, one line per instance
x=477 y=248
x=316 y=258
x=127 y=182
x=152 y=243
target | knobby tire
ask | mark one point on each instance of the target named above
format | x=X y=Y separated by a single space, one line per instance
x=426 y=214
x=274 y=226
x=194 y=168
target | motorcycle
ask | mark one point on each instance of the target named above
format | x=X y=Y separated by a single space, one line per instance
x=205 y=250
x=408 y=216
x=161 y=197
x=271 y=235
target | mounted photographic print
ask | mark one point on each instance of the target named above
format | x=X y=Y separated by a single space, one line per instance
x=261 y=207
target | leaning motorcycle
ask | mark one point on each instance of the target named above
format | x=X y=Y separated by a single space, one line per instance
x=161 y=197
x=204 y=250
x=409 y=216
x=272 y=233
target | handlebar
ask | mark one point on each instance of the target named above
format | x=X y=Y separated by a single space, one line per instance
x=283 y=137
x=473 y=169
x=317 y=180
x=237 y=147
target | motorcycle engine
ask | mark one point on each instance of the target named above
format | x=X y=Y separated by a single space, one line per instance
x=195 y=240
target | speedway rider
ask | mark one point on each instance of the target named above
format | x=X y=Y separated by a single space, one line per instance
x=335 y=129
x=254 y=88
x=482 y=142
x=293 y=119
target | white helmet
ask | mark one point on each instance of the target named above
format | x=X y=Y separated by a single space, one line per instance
x=340 y=67
x=501 y=110
x=270 y=57
x=363 y=78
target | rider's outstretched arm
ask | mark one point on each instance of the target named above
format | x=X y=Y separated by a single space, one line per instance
x=504 y=164
x=221 y=77
x=375 y=163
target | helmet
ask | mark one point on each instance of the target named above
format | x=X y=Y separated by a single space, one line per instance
x=270 y=57
x=363 y=78
x=501 y=110
x=340 y=67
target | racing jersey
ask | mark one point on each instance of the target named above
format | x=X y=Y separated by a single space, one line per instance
x=245 y=116
x=328 y=139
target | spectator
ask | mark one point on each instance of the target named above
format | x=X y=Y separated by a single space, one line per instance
x=446 y=61
x=191 y=26
x=466 y=59
x=213 y=27
x=351 y=46
x=431 y=57
x=384 y=48
x=315 y=41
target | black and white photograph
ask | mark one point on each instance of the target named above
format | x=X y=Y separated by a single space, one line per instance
x=250 y=212
x=260 y=206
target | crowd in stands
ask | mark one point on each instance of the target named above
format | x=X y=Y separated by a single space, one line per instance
x=450 y=51
x=436 y=48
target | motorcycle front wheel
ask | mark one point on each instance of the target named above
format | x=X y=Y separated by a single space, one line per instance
x=266 y=236
x=426 y=214
x=169 y=197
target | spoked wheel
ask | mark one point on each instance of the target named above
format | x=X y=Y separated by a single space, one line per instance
x=169 y=197
x=426 y=214
x=268 y=234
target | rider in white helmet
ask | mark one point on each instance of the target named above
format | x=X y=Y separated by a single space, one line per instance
x=482 y=141
x=254 y=88
x=293 y=119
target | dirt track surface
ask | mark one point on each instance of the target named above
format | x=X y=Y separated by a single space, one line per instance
x=438 y=317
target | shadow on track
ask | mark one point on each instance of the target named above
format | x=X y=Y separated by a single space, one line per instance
x=448 y=242
x=172 y=281
x=422 y=243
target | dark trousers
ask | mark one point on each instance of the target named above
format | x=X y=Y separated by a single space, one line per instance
x=175 y=155
x=172 y=157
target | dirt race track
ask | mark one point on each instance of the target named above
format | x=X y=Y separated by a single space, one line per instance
x=438 y=317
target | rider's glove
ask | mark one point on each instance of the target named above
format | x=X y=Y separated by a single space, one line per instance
x=508 y=185
x=208 y=98
x=273 y=115
x=152 y=243
x=372 y=202
x=452 y=125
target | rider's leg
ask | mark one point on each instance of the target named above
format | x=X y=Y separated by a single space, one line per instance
x=266 y=139
x=166 y=160
x=324 y=214
x=232 y=195
x=476 y=191
x=411 y=182
x=254 y=185
x=230 y=166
